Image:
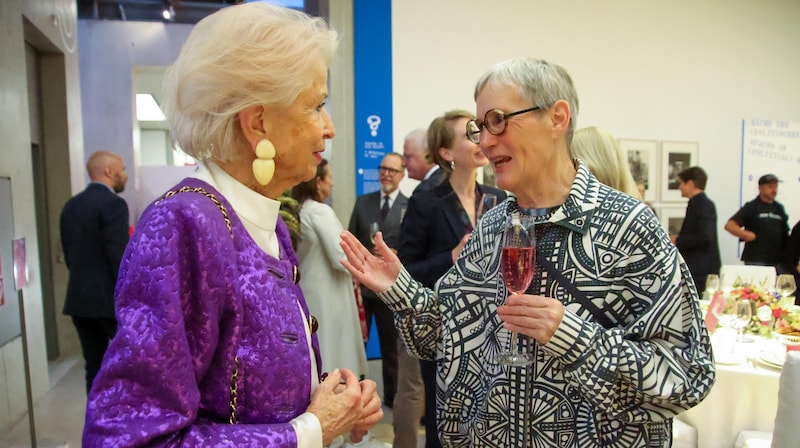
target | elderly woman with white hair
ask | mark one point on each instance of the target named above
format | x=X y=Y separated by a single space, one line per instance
x=611 y=320
x=215 y=344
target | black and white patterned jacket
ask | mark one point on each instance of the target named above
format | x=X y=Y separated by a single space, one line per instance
x=590 y=386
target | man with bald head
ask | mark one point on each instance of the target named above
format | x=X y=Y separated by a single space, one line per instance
x=94 y=233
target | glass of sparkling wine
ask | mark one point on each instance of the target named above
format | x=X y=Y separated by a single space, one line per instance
x=518 y=261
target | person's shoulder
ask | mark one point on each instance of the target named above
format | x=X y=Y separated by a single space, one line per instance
x=367 y=197
x=435 y=193
x=191 y=194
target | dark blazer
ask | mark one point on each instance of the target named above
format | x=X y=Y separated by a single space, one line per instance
x=434 y=224
x=697 y=240
x=94 y=233
x=368 y=210
x=432 y=182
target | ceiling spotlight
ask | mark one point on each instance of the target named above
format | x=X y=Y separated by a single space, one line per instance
x=168 y=13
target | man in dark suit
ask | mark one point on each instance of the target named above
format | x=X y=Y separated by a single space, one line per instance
x=94 y=233
x=385 y=208
x=697 y=239
x=419 y=162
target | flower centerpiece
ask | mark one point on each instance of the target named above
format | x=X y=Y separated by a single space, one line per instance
x=769 y=309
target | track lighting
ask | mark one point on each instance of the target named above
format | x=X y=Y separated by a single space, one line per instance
x=168 y=13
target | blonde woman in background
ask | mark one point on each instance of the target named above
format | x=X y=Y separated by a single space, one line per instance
x=600 y=151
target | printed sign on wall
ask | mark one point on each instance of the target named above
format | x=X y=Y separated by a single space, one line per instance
x=372 y=47
x=772 y=146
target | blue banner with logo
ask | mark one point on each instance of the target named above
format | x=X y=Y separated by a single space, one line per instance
x=372 y=50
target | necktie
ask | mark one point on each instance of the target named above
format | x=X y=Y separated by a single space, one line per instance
x=385 y=208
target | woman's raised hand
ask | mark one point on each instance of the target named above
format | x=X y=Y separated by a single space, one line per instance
x=377 y=273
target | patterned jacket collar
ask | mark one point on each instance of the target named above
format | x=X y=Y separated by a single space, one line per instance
x=577 y=211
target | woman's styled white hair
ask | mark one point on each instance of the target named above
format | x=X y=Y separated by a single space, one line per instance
x=241 y=56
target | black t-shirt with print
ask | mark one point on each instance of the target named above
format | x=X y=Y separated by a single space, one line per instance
x=770 y=224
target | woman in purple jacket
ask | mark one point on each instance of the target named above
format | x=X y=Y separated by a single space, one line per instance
x=215 y=345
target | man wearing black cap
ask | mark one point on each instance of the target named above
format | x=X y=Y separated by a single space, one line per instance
x=762 y=224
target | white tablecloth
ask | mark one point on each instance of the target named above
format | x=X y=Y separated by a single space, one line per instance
x=744 y=396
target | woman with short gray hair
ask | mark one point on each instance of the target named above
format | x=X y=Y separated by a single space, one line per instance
x=611 y=320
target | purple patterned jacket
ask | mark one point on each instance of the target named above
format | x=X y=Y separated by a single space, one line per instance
x=191 y=296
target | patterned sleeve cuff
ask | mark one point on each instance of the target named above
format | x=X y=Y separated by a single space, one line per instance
x=572 y=340
x=398 y=295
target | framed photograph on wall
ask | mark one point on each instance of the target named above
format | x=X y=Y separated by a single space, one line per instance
x=671 y=218
x=675 y=157
x=642 y=156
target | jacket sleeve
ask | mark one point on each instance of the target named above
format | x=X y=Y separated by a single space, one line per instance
x=173 y=307
x=416 y=238
x=115 y=232
x=653 y=366
x=329 y=231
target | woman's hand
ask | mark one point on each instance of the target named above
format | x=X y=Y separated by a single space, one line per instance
x=371 y=410
x=534 y=316
x=377 y=273
x=336 y=404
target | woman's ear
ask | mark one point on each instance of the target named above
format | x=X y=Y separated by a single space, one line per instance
x=561 y=117
x=445 y=154
x=251 y=121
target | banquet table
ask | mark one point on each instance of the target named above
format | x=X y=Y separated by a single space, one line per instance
x=744 y=396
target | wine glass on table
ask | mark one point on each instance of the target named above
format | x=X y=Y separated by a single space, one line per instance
x=517 y=260
x=712 y=285
x=785 y=285
x=744 y=314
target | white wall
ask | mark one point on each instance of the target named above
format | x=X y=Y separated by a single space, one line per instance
x=681 y=70
x=110 y=52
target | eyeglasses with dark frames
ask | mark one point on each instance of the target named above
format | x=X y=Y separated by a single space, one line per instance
x=495 y=121
x=389 y=170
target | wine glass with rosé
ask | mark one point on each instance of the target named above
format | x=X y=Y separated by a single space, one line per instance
x=517 y=261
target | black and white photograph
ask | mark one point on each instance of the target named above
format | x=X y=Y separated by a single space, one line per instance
x=671 y=219
x=675 y=157
x=642 y=156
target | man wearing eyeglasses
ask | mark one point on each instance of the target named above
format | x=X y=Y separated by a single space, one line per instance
x=382 y=210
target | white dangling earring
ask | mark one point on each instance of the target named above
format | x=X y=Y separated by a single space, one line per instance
x=452 y=165
x=264 y=165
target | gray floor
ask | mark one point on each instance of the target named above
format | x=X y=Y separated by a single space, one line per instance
x=59 y=415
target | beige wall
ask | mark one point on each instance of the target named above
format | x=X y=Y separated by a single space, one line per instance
x=49 y=26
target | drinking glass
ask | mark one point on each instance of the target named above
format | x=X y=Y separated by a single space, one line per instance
x=712 y=285
x=785 y=285
x=488 y=200
x=373 y=230
x=744 y=313
x=518 y=261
